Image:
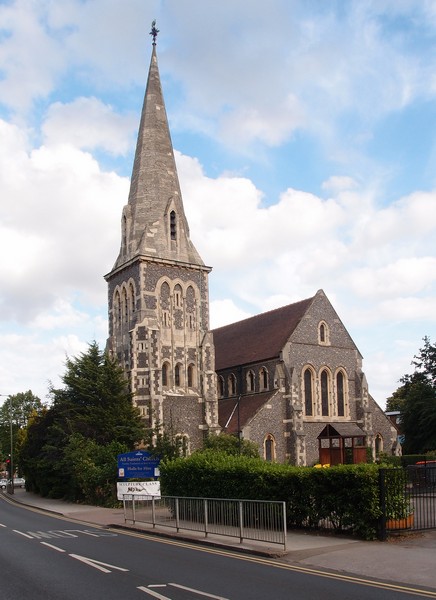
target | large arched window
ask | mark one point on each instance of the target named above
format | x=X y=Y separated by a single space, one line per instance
x=340 y=393
x=325 y=393
x=308 y=392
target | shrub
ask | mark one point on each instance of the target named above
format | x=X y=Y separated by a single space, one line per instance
x=347 y=495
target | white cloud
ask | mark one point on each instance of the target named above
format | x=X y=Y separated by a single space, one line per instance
x=60 y=223
x=87 y=123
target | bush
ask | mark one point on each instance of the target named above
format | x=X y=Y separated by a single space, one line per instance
x=347 y=495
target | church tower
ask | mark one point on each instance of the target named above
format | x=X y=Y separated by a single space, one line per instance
x=158 y=290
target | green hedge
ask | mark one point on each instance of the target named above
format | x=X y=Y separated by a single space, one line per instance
x=347 y=495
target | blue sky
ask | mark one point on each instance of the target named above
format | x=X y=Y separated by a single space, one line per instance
x=305 y=137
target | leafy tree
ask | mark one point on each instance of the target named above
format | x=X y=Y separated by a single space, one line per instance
x=231 y=444
x=15 y=413
x=92 y=413
x=416 y=400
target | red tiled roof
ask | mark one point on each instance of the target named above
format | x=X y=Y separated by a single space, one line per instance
x=248 y=407
x=258 y=338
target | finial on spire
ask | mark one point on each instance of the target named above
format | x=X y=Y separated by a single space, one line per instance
x=154 y=31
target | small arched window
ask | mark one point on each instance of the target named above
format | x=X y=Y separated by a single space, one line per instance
x=220 y=382
x=323 y=334
x=378 y=444
x=308 y=392
x=178 y=375
x=269 y=448
x=165 y=372
x=125 y=306
x=117 y=309
x=263 y=379
x=173 y=225
x=232 y=384
x=191 y=375
x=325 y=393
x=132 y=298
x=250 y=381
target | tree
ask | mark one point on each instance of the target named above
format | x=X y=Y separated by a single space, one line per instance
x=15 y=413
x=416 y=400
x=94 y=407
x=231 y=444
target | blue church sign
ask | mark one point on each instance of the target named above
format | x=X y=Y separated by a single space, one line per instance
x=138 y=465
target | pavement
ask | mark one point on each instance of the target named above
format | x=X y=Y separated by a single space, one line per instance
x=407 y=559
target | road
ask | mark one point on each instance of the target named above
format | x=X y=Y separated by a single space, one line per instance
x=46 y=557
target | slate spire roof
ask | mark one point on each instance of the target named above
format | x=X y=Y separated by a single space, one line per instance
x=155 y=200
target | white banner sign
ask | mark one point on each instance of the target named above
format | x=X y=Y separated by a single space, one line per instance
x=127 y=489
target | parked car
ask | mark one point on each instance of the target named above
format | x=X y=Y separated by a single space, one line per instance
x=3 y=483
x=19 y=482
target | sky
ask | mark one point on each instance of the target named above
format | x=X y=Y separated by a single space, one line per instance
x=305 y=141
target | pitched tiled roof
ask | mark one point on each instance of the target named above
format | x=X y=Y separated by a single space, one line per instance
x=229 y=414
x=258 y=338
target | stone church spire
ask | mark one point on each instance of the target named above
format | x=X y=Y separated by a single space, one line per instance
x=154 y=222
x=158 y=291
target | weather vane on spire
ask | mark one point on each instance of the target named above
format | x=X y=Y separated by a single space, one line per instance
x=154 y=31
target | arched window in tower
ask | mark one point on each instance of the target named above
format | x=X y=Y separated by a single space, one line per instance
x=340 y=393
x=220 y=385
x=308 y=392
x=173 y=225
x=325 y=393
x=190 y=307
x=191 y=376
x=263 y=379
x=164 y=300
x=125 y=307
x=269 y=448
x=232 y=384
x=250 y=381
x=178 y=296
x=178 y=379
x=165 y=374
x=117 y=310
x=132 y=299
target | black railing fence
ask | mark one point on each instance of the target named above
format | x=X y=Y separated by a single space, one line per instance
x=408 y=498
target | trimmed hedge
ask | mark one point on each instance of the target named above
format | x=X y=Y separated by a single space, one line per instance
x=346 y=495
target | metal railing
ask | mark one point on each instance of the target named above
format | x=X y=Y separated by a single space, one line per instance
x=257 y=520
x=408 y=499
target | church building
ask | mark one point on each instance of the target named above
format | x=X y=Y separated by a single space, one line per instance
x=290 y=380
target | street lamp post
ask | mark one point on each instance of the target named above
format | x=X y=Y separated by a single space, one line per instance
x=10 y=487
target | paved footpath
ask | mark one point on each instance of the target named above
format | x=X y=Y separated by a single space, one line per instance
x=409 y=559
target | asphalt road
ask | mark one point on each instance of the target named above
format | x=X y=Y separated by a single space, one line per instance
x=47 y=557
